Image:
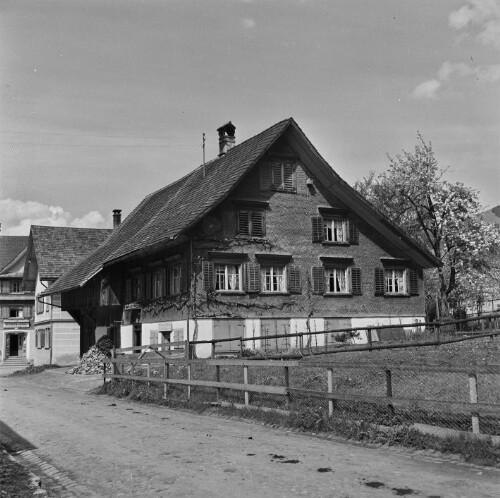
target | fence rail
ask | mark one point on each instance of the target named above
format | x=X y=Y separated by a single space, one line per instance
x=437 y=395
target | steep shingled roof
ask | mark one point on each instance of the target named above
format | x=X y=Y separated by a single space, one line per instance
x=58 y=249
x=165 y=214
x=168 y=213
x=10 y=247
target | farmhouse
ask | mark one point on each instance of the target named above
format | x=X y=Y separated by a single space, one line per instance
x=266 y=239
x=51 y=251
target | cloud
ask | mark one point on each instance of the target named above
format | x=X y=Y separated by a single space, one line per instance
x=426 y=90
x=17 y=217
x=450 y=71
x=484 y=16
x=248 y=23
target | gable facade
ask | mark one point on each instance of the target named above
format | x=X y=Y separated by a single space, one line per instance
x=282 y=252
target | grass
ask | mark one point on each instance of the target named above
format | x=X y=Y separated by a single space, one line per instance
x=15 y=481
x=31 y=370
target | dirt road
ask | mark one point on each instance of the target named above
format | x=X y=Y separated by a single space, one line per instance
x=114 y=448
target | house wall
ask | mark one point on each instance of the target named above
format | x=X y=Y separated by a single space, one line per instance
x=64 y=346
x=288 y=231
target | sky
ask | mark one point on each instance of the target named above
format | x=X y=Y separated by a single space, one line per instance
x=104 y=101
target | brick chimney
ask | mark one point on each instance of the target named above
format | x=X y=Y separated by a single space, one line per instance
x=227 y=139
x=117 y=218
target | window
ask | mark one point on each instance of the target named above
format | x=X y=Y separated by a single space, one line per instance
x=278 y=176
x=47 y=303
x=158 y=283
x=227 y=277
x=335 y=230
x=39 y=306
x=16 y=313
x=395 y=281
x=337 y=280
x=175 y=279
x=336 y=277
x=273 y=279
x=15 y=286
x=251 y=223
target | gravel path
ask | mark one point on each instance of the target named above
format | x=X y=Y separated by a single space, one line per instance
x=100 y=446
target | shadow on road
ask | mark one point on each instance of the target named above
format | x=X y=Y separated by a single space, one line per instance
x=11 y=441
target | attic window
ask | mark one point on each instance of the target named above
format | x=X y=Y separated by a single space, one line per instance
x=278 y=175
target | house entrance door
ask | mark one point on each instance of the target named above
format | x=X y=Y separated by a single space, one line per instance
x=13 y=344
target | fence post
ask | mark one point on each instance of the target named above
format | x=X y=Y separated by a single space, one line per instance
x=213 y=350
x=473 y=400
x=388 y=383
x=287 y=386
x=166 y=374
x=330 y=391
x=241 y=347
x=114 y=369
x=245 y=381
x=187 y=354
x=369 y=334
x=189 y=385
x=217 y=379
x=148 y=372
x=301 y=341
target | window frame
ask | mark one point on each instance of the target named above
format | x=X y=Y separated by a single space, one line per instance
x=264 y=278
x=13 y=285
x=347 y=279
x=329 y=225
x=157 y=290
x=251 y=221
x=175 y=280
x=226 y=265
x=19 y=309
x=405 y=275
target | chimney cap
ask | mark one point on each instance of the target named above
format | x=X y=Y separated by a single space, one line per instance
x=117 y=211
x=228 y=128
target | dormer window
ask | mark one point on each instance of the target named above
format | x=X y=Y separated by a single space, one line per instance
x=335 y=230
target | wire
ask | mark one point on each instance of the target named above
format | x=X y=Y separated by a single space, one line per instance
x=100 y=145
x=92 y=136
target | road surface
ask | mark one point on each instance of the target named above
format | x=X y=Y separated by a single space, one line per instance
x=106 y=447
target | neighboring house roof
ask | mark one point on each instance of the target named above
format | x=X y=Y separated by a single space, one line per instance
x=10 y=248
x=165 y=215
x=492 y=216
x=58 y=249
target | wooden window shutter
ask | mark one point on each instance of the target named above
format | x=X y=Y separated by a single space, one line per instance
x=47 y=338
x=265 y=176
x=294 y=279
x=289 y=176
x=353 y=232
x=243 y=222
x=318 y=279
x=252 y=277
x=413 y=282
x=317 y=229
x=276 y=176
x=184 y=278
x=42 y=339
x=37 y=339
x=208 y=275
x=379 y=282
x=166 y=282
x=356 y=281
x=148 y=286
x=128 y=290
x=258 y=223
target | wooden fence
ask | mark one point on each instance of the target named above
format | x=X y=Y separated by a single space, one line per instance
x=293 y=392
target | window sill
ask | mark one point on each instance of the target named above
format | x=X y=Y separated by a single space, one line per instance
x=338 y=294
x=333 y=243
x=285 y=191
x=396 y=295
x=271 y=293
x=230 y=293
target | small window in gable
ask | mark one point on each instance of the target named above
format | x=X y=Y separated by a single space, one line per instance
x=396 y=280
x=278 y=175
x=227 y=277
x=335 y=230
x=251 y=223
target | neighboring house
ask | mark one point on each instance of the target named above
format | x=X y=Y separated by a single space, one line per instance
x=51 y=251
x=266 y=239
x=16 y=305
